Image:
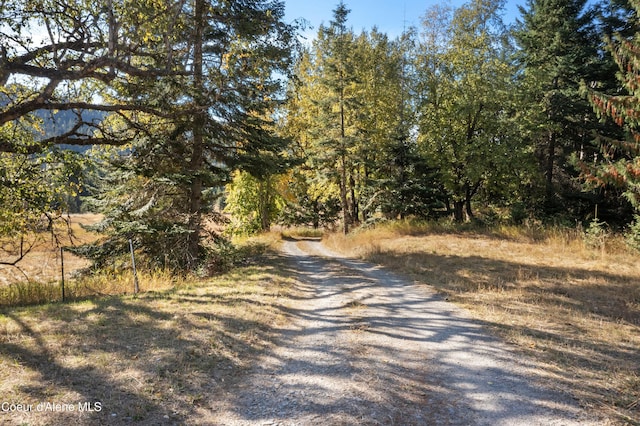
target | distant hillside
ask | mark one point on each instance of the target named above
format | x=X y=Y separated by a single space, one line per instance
x=62 y=121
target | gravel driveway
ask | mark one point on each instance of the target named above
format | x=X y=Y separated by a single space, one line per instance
x=368 y=347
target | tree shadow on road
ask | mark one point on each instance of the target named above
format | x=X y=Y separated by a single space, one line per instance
x=381 y=351
x=580 y=325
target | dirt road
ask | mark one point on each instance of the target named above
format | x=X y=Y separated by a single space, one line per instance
x=366 y=346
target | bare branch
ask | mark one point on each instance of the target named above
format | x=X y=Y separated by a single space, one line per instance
x=21 y=254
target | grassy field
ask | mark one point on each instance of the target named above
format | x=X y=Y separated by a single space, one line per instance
x=37 y=278
x=42 y=264
x=152 y=359
x=110 y=357
x=575 y=309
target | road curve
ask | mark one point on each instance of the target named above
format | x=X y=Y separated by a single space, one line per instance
x=366 y=346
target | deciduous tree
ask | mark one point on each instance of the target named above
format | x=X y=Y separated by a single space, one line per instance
x=466 y=103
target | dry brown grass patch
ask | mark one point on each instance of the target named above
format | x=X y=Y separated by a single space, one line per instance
x=42 y=263
x=575 y=309
x=157 y=358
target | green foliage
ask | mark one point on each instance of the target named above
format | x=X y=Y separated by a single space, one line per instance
x=147 y=207
x=619 y=166
x=406 y=127
x=518 y=213
x=407 y=186
x=252 y=203
x=34 y=186
x=308 y=202
x=216 y=103
x=632 y=235
x=558 y=48
x=596 y=234
x=351 y=111
x=467 y=107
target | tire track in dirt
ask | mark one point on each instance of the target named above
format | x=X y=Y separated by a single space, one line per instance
x=366 y=346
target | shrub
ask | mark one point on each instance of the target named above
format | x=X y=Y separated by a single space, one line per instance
x=596 y=234
x=632 y=236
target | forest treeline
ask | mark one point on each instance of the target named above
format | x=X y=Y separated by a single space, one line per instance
x=192 y=106
x=464 y=117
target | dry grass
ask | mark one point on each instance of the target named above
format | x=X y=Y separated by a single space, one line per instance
x=42 y=263
x=154 y=359
x=301 y=232
x=575 y=309
x=37 y=279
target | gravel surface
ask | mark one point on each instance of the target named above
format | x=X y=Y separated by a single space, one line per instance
x=366 y=346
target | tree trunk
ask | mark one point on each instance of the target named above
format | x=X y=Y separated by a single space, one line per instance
x=468 y=209
x=197 y=154
x=265 y=205
x=551 y=153
x=458 y=211
x=346 y=220
x=467 y=202
x=343 y=197
x=316 y=214
x=355 y=211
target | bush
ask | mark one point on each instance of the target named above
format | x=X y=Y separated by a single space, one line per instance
x=519 y=213
x=596 y=234
x=632 y=236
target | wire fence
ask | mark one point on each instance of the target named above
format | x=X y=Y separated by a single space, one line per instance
x=36 y=292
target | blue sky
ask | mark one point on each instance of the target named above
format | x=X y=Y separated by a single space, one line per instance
x=388 y=15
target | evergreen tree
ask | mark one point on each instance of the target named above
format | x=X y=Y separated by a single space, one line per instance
x=309 y=202
x=397 y=179
x=321 y=112
x=619 y=164
x=408 y=186
x=558 y=48
x=312 y=197
x=220 y=101
x=334 y=49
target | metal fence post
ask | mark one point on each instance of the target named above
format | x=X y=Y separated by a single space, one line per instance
x=135 y=273
x=62 y=270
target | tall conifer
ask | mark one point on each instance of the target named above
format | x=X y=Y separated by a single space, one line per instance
x=231 y=56
x=620 y=157
x=558 y=48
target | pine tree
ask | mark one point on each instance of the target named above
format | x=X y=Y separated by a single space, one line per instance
x=312 y=197
x=334 y=49
x=558 y=48
x=321 y=111
x=620 y=158
x=220 y=102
